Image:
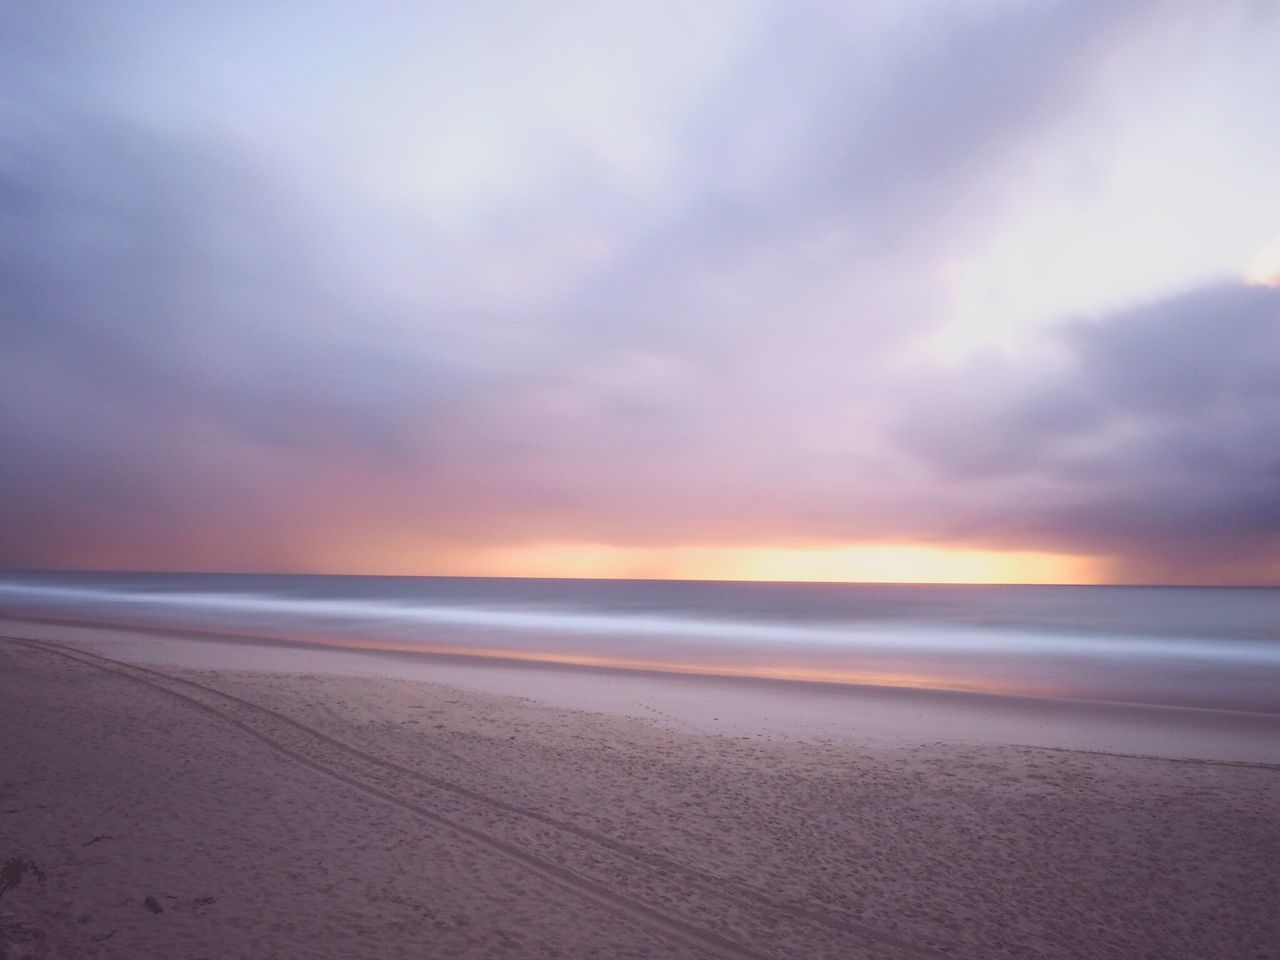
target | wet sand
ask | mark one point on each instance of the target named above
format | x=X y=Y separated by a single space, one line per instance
x=727 y=706
x=296 y=810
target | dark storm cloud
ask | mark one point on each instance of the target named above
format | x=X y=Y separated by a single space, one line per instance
x=1155 y=444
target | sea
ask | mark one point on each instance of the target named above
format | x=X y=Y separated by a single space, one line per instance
x=1213 y=648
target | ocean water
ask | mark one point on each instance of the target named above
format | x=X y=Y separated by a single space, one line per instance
x=1215 y=648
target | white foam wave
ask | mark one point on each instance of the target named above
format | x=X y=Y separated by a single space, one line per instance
x=932 y=638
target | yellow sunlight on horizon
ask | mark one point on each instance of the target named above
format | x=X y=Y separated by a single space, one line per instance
x=1264 y=269
x=864 y=563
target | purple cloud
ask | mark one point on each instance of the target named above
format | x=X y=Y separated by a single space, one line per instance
x=236 y=334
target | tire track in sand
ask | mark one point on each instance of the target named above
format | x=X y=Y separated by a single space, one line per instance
x=683 y=931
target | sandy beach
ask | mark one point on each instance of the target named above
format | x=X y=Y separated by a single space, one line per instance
x=281 y=802
x=600 y=481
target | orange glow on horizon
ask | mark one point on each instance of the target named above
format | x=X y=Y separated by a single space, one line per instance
x=856 y=563
x=780 y=670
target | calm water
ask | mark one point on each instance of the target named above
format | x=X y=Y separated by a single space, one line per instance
x=1200 y=647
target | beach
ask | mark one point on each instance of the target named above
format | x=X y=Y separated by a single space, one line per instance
x=683 y=481
x=337 y=811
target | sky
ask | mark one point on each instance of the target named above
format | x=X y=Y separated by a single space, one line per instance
x=975 y=290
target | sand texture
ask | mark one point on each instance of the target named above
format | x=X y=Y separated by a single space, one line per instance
x=294 y=815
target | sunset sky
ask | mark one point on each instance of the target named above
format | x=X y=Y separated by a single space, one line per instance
x=958 y=290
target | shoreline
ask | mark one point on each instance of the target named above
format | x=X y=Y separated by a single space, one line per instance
x=802 y=711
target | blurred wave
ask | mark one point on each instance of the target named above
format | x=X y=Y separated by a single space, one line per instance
x=1200 y=647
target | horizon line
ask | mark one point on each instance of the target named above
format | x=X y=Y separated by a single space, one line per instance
x=4 y=570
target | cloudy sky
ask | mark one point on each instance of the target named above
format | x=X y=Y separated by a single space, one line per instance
x=967 y=289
